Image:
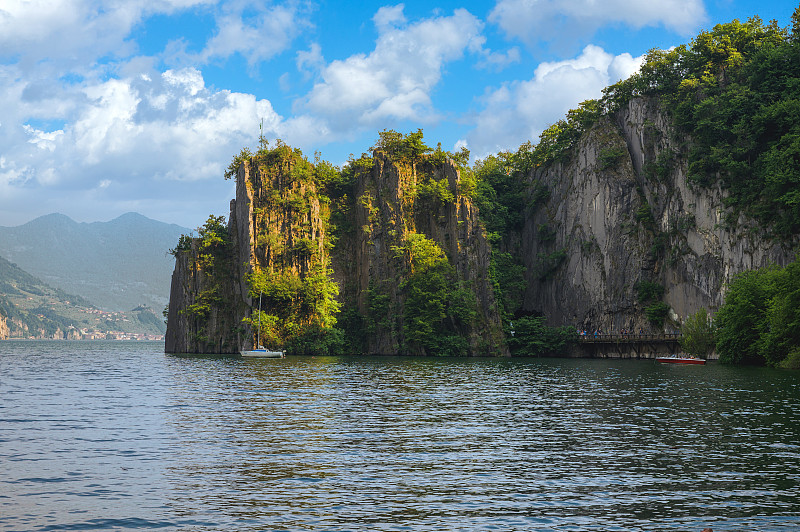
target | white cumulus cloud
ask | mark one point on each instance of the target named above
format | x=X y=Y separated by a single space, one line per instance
x=395 y=80
x=150 y=136
x=389 y=16
x=72 y=34
x=519 y=111
x=257 y=37
x=536 y=20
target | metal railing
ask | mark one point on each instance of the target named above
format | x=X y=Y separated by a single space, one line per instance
x=627 y=338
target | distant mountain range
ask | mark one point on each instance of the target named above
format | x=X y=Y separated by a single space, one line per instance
x=117 y=266
x=29 y=308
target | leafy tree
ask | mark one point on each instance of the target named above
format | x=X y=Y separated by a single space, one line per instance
x=508 y=280
x=318 y=340
x=610 y=157
x=340 y=189
x=421 y=252
x=184 y=245
x=742 y=319
x=649 y=291
x=439 y=308
x=533 y=338
x=437 y=190
x=759 y=323
x=697 y=334
x=781 y=339
x=326 y=174
x=299 y=311
x=500 y=194
x=426 y=304
x=238 y=160
x=796 y=25
x=399 y=147
x=650 y=294
x=656 y=313
x=214 y=239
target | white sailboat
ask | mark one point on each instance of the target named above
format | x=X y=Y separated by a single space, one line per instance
x=260 y=351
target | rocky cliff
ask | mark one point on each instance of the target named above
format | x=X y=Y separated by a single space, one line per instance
x=394 y=201
x=621 y=213
x=283 y=247
x=204 y=314
x=277 y=226
x=614 y=236
x=3 y=328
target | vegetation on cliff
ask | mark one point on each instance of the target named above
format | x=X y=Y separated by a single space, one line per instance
x=214 y=257
x=505 y=198
x=209 y=265
x=698 y=334
x=421 y=303
x=388 y=207
x=733 y=95
x=291 y=275
x=300 y=310
x=649 y=294
x=735 y=92
x=439 y=307
x=532 y=337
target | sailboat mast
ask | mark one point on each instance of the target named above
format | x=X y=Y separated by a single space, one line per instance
x=258 y=332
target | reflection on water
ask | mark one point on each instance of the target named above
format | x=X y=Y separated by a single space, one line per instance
x=120 y=436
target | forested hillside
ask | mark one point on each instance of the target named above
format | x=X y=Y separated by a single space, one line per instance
x=734 y=95
x=32 y=309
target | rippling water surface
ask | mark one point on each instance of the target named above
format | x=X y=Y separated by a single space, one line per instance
x=113 y=436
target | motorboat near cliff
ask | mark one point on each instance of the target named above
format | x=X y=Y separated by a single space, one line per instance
x=681 y=359
x=262 y=352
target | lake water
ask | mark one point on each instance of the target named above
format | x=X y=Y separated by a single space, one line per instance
x=116 y=436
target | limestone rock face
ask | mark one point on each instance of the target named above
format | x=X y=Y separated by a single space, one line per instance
x=3 y=328
x=577 y=246
x=187 y=332
x=619 y=210
x=261 y=228
x=610 y=223
x=389 y=208
x=268 y=234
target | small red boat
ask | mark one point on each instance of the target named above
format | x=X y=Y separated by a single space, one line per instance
x=680 y=360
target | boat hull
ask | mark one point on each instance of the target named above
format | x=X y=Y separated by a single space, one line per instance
x=262 y=353
x=680 y=360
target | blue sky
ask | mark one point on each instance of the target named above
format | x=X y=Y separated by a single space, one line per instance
x=112 y=106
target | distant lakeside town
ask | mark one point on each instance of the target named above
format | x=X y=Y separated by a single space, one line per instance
x=116 y=336
x=44 y=323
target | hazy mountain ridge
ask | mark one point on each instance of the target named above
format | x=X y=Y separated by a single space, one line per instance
x=29 y=308
x=117 y=265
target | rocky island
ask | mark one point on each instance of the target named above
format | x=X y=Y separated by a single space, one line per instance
x=632 y=213
x=391 y=248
